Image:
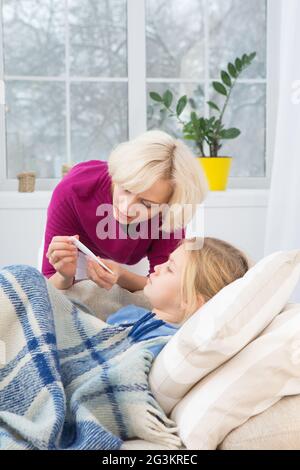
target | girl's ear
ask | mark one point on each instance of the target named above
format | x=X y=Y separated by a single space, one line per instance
x=201 y=300
x=200 y=303
x=183 y=306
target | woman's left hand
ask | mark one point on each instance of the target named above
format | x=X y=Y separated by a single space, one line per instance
x=102 y=277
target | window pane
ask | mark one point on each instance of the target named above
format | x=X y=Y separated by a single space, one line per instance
x=33 y=37
x=35 y=126
x=175 y=38
x=98 y=38
x=158 y=120
x=99 y=119
x=237 y=27
x=247 y=112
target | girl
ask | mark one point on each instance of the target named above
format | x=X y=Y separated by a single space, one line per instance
x=141 y=176
x=179 y=287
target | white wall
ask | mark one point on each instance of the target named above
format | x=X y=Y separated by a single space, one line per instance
x=237 y=216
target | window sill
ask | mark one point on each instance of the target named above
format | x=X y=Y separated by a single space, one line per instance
x=16 y=200
x=238 y=198
x=230 y=198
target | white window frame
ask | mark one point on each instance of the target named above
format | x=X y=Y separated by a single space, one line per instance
x=137 y=93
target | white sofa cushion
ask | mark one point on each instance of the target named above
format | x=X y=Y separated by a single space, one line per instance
x=277 y=428
x=223 y=326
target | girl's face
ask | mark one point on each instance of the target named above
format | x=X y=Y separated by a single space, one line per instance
x=163 y=288
x=133 y=208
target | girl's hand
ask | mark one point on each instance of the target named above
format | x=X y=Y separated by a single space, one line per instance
x=62 y=254
x=102 y=277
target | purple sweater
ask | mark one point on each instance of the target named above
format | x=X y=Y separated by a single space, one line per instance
x=73 y=210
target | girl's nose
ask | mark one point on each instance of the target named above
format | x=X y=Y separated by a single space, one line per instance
x=157 y=269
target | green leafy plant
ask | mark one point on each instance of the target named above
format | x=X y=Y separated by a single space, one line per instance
x=207 y=132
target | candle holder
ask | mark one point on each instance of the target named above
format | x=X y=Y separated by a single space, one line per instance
x=26 y=181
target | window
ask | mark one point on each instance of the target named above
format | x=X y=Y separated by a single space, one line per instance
x=188 y=44
x=65 y=70
x=77 y=77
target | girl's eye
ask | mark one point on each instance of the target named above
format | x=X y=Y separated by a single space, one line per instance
x=147 y=204
x=170 y=270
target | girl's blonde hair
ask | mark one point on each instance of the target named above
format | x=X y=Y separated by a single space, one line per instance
x=208 y=269
x=139 y=163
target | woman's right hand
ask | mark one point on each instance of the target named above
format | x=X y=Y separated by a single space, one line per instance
x=62 y=255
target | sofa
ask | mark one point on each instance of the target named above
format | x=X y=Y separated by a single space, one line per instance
x=275 y=428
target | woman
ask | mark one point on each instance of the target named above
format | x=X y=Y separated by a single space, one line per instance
x=141 y=178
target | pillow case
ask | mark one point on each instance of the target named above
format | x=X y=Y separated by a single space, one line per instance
x=261 y=374
x=223 y=326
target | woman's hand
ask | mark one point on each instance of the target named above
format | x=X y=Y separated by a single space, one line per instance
x=62 y=254
x=102 y=277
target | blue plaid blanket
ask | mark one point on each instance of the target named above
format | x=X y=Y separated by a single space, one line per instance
x=67 y=379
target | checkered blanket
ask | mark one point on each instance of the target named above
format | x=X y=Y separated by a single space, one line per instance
x=67 y=379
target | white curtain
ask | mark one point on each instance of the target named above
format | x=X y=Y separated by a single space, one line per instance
x=283 y=221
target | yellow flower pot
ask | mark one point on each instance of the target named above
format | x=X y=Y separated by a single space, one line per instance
x=217 y=171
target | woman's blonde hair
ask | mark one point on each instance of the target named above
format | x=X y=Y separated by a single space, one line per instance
x=139 y=163
x=208 y=269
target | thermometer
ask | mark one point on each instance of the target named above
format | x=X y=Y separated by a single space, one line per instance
x=88 y=252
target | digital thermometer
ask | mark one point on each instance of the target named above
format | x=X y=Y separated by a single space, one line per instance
x=88 y=252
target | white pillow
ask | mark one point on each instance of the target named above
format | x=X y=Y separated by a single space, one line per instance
x=257 y=377
x=223 y=326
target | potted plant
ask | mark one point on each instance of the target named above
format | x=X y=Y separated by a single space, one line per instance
x=208 y=133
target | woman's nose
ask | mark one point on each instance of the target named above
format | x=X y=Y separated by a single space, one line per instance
x=125 y=203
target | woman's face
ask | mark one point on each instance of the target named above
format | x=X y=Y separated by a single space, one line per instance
x=133 y=208
x=163 y=288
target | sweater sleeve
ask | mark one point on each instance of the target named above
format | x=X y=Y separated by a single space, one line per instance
x=61 y=221
x=161 y=248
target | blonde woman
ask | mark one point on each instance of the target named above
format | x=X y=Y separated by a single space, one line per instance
x=114 y=208
x=178 y=288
